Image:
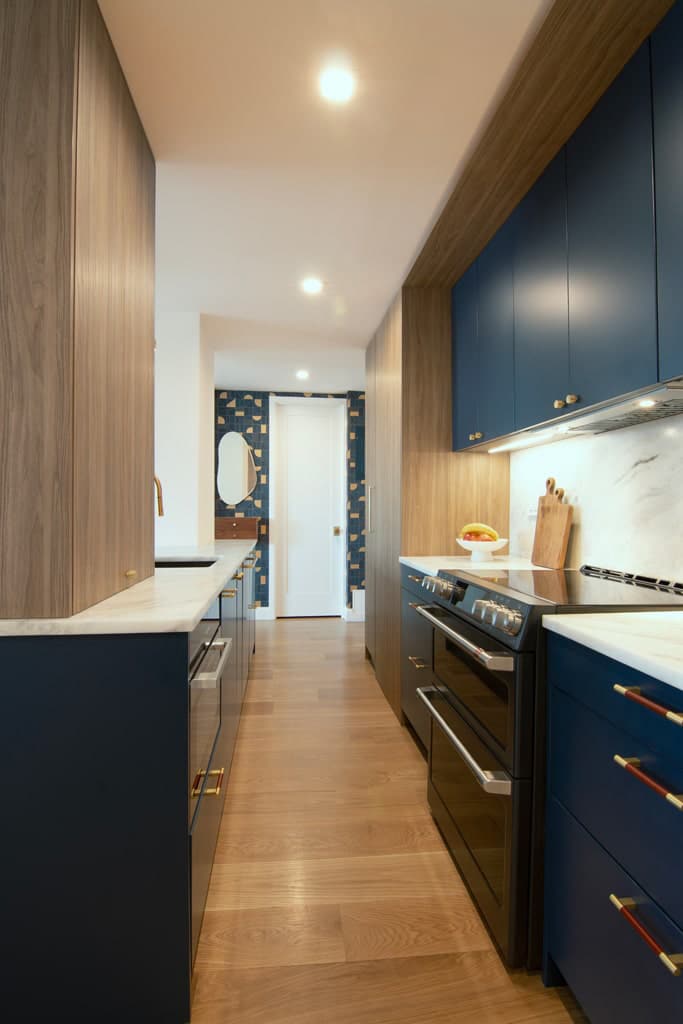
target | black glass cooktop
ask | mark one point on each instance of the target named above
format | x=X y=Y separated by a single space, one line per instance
x=580 y=588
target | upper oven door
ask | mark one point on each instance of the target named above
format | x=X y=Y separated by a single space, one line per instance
x=484 y=677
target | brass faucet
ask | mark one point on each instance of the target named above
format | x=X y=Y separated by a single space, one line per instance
x=160 y=495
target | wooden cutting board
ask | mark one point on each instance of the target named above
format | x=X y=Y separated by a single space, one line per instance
x=552 y=528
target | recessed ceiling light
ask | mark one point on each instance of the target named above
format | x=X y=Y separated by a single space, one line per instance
x=302 y=375
x=337 y=84
x=646 y=403
x=312 y=285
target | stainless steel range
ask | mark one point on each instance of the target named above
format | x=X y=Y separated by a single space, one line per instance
x=487 y=709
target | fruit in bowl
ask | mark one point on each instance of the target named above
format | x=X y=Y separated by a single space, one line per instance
x=481 y=540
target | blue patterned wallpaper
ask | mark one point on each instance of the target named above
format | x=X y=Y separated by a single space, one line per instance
x=248 y=413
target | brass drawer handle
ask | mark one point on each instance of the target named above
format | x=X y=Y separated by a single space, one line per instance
x=417 y=663
x=476 y=436
x=632 y=766
x=130 y=574
x=416 y=579
x=625 y=905
x=228 y=593
x=249 y=560
x=559 y=403
x=633 y=693
x=572 y=399
x=238 y=576
x=215 y=773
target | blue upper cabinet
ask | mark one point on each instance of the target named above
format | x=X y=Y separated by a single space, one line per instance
x=465 y=360
x=611 y=242
x=541 y=331
x=496 y=335
x=667 y=90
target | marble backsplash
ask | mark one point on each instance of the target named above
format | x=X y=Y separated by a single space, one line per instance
x=627 y=491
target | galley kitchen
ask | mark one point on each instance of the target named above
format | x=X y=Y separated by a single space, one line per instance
x=341 y=588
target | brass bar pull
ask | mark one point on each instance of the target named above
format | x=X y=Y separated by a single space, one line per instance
x=559 y=403
x=415 y=579
x=572 y=399
x=215 y=773
x=626 y=907
x=228 y=593
x=633 y=693
x=238 y=576
x=417 y=663
x=632 y=766
x=413 y=604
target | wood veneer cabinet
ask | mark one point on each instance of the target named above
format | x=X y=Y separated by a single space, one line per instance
x=76 y=315
x=420 y=491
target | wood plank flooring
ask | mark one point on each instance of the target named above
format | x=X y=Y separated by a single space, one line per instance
x=333 y=899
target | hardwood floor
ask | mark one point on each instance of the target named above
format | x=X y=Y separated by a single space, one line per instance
x=333 y=899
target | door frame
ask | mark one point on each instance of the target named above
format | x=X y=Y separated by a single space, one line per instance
x=276 y=405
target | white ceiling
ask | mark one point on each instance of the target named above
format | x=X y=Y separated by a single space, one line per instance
x=260 y=182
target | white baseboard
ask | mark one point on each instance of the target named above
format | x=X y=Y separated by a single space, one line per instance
x=357 y=611
x=264 y=613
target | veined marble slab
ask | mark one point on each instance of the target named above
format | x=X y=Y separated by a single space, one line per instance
x=651 y=642
x=170 y=601
x=432 y=563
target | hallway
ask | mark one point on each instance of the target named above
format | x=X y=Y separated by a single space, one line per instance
x=332 y=897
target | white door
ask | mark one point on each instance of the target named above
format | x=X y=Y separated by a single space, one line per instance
x=309 y=506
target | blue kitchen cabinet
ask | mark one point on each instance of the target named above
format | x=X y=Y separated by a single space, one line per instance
x=613 y=908
x=611 y=242
x=496 y=412
x=541 y=326
x=667 y=94
x=465 y=360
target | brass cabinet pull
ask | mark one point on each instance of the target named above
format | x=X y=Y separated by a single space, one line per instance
x=632 y=766
x=559 y=403
x=215 y=773
x=130 y=574
x=415 y=579
x=238 y=576
x=417 y=663
x=249 y=560
x=626 y=906
x=228 y=593
x=633 y=693
x=572 y=399
x=477 y=436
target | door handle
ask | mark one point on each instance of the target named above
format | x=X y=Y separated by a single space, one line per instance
x=496 y=662
x=336 y=530
x=210 y=680
x=497 y=783
x=417 y=663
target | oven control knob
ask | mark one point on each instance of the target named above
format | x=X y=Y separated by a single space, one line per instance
x=510 y=621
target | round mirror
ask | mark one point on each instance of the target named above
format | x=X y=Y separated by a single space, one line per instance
x=236 y=470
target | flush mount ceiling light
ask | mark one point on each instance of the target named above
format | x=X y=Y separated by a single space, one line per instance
x=646 y=403
x=302 y=375
x=312 y=285
x=336 y=84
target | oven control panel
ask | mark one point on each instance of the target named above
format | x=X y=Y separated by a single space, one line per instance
x=501 y=613
x=504 y=617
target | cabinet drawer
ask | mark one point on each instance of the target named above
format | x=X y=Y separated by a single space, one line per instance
x=614 y=973
x=637 y=825
x=591 y=678
x=203 y=836
x=416 y=665
x=411 y=579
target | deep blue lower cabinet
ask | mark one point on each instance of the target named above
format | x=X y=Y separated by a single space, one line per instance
x=611 y=242
x=667 y=98
x=614 y=899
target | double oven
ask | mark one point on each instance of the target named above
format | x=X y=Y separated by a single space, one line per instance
x=480 y=702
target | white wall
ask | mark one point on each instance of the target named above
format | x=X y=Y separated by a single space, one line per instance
x=627 y=491
x=183 y=430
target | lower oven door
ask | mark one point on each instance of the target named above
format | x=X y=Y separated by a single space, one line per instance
x=484 y=815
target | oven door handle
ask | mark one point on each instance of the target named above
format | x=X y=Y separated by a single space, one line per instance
x=498 y=783
x=496 y=662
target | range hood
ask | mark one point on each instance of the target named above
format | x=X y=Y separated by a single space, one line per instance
x=654 y=403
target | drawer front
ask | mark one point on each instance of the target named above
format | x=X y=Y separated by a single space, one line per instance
x=590 y=678
x=411 y=579
x=416 y=665
x=614 y=973
x=203 y=836
x=640 y=828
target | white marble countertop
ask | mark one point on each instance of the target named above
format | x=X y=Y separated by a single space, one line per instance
x=170 y=601
x=432 y=563
x=650 y=642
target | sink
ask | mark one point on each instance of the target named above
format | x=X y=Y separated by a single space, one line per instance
x=176 y=563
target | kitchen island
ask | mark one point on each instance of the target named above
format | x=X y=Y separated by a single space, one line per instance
x=116 y=737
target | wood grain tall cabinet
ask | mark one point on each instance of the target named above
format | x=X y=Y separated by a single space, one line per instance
x=420 y=491
x=76 y=315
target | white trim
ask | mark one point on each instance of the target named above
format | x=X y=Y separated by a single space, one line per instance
x=264 y=613
x=357 y=611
